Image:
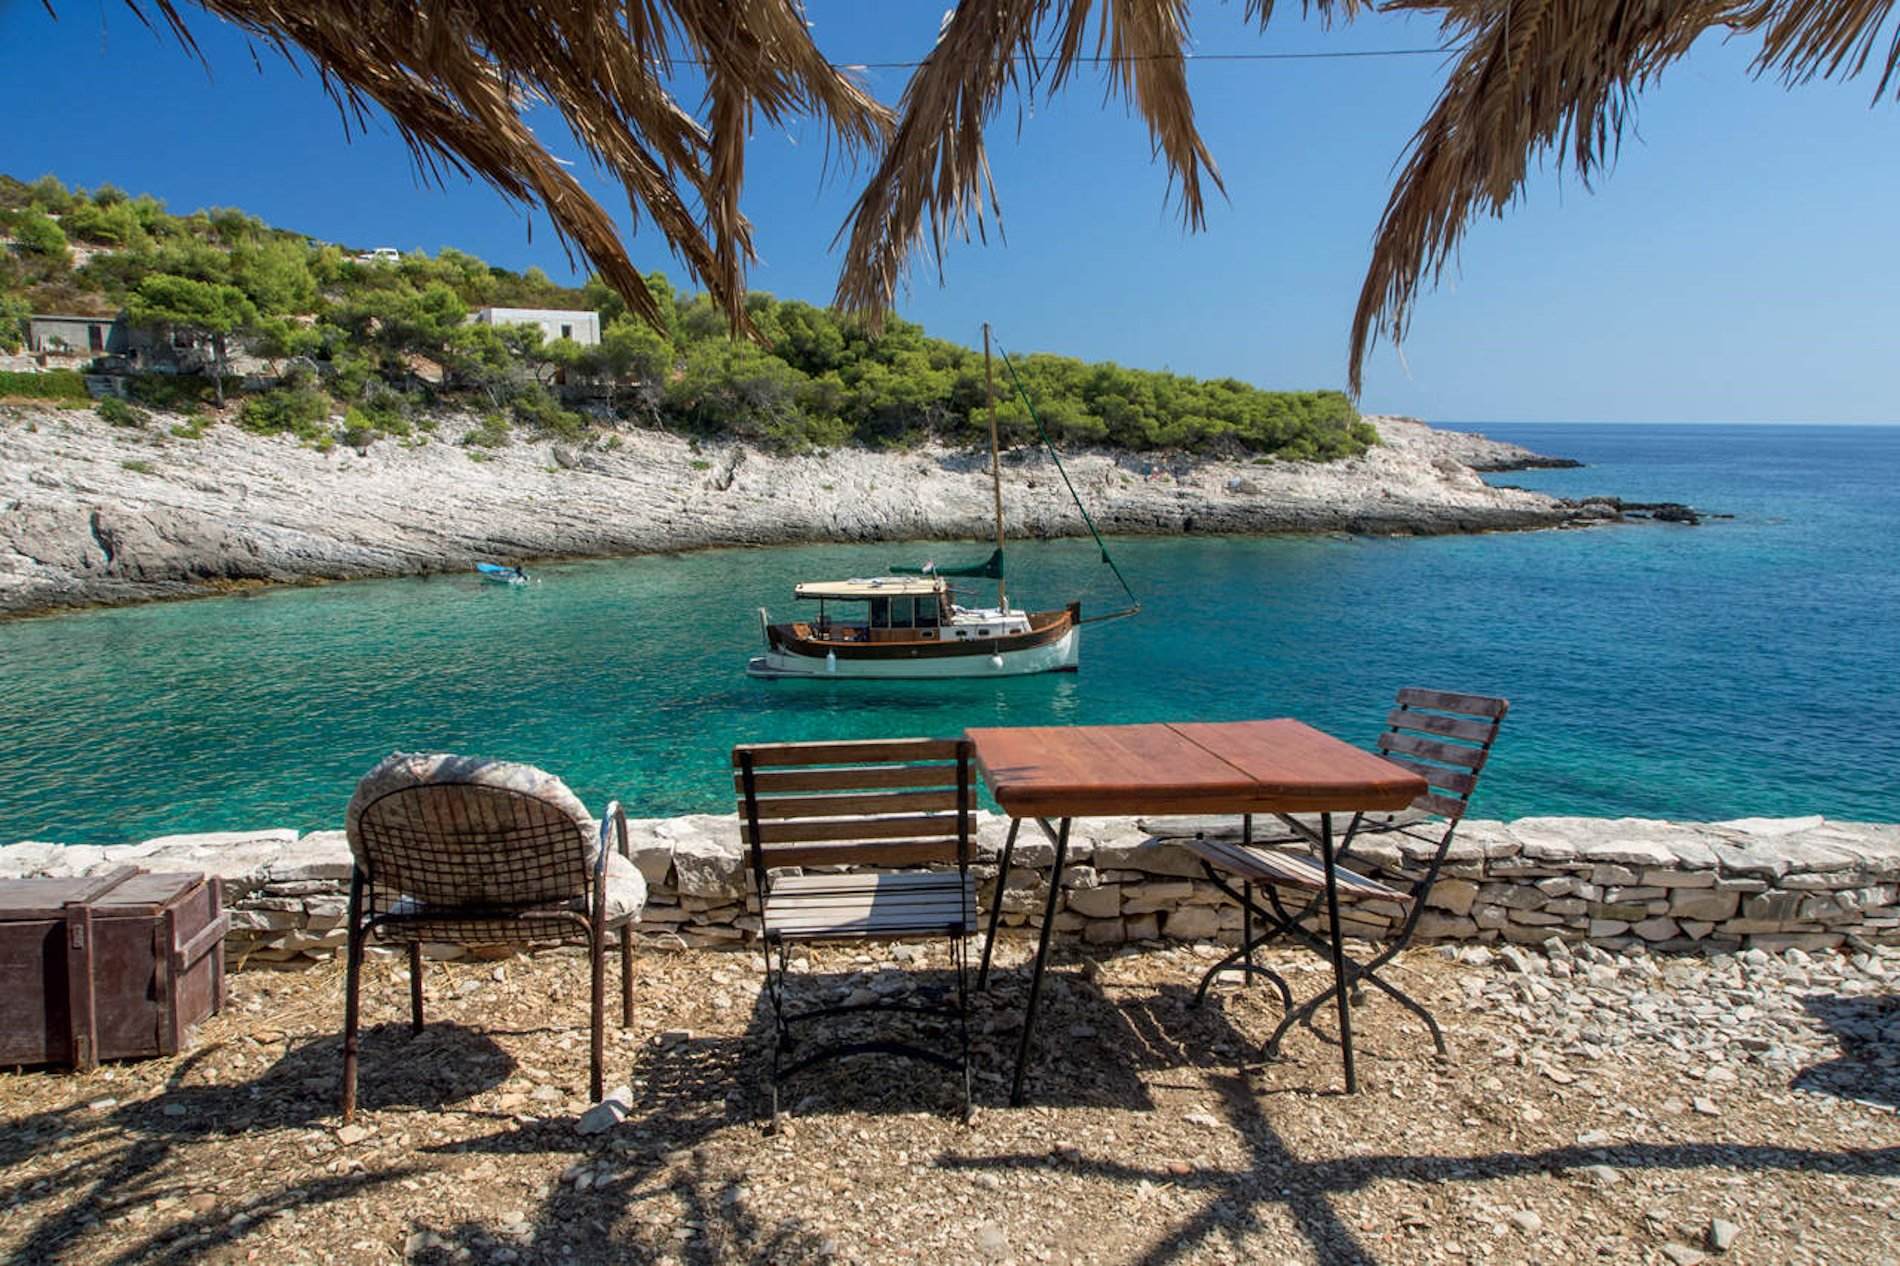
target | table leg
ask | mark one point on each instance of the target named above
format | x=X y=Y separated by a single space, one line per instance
x=996 y=903
x=1339 y=950
x=1246 y=907
x=1042 y=956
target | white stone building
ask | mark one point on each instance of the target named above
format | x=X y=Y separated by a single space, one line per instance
x=556 y=323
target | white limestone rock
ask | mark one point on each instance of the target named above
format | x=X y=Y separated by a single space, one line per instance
x=1103 y=902
x=709 y=865
x=1152 y=856
x=318 y=855
x=1193 y=923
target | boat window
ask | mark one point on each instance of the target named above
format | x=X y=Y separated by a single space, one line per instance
x=880 y=613
x=927 y=612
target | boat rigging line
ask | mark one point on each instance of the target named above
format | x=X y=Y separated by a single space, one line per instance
x=1134 y=607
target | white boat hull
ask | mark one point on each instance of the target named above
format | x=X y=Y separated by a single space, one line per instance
x=1061 y=655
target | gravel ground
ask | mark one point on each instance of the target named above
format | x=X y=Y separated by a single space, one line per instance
x=1594 y=1108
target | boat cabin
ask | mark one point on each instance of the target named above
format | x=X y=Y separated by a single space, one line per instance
x=901 y=609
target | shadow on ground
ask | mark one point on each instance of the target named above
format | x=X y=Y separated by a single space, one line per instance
x=1276 y=1176
x=143 y=1163
x=1868 y=1029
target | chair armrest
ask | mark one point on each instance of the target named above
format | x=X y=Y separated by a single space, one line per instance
x=613 y=823
x=613 y=828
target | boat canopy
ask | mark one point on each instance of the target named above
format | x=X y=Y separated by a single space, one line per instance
x=991 y=567
x=875 y=587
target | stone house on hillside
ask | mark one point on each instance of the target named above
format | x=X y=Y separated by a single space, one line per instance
x=114 y=345
x=60 y=335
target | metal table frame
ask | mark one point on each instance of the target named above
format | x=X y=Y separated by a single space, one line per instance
x=1059 y=836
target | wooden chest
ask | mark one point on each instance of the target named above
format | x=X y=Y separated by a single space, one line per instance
x=112 y=966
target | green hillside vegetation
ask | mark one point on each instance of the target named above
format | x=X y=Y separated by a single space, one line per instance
x=354 y=338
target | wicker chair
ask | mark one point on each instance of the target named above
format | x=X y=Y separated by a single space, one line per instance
x=1443 y=737
x=478 y=852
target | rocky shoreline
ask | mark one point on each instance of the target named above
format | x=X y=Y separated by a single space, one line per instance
x=96 y=514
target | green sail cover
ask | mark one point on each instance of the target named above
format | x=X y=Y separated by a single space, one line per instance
x=992 y=567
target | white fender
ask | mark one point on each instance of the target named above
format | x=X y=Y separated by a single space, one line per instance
x=831 y=661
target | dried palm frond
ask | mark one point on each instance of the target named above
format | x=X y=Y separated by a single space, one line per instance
x=936 y=166
x=1527 y=77
x=1562 y=76
x=456 y=77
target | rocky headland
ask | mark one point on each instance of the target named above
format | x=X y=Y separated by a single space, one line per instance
x=97 y=514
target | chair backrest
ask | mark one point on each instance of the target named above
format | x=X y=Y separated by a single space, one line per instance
x=459 y=831
x=877 y=802
x=1444 y=738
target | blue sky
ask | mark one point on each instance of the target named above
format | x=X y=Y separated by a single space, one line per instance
x=1736 y=266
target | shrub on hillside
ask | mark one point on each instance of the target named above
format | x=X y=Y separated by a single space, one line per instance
x=492 y=433
x=299 y=411
x=176 y=393
x=57 y=384
x=37 y=235
x=14 y=312
x=535 y=408
x=118 y=413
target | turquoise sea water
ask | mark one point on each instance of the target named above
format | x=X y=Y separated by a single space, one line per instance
x=1749 y=666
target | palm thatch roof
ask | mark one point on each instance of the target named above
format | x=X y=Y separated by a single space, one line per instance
x=1526 y=78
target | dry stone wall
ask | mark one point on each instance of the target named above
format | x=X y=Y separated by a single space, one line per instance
x=1766 y=883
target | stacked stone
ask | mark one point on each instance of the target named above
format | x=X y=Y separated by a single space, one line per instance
x=1751 y=882
x=1754 y=883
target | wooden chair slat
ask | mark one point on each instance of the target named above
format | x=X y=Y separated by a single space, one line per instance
x=1438 y=775
x=780 y=807
x=848 y=753
x=1431 y=749
x=879 y=853
x=858 y=778
x=842 y=910
x=826 y=882
x=1290 y=870
x=1446 y=807
x=1449 y=701
x=799 y=830
x=871 y=914
x=1448 y=726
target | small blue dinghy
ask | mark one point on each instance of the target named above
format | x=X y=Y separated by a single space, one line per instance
x=495 y=573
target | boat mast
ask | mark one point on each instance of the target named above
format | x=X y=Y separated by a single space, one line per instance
x=996 y=468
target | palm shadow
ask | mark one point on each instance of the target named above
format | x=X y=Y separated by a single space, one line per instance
x=1867 y=1028
x=1276 y=1176
x=140 y=1141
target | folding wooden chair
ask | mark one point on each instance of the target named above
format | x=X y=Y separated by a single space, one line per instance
x=1443 y=737
x=876 y=803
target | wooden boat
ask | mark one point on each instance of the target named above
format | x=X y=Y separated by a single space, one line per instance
x=910 y=624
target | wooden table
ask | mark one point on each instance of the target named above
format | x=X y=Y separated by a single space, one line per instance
x=1238 y=767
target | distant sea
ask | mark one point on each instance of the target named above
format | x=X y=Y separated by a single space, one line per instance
x=1747 y=666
